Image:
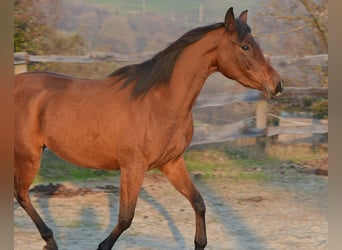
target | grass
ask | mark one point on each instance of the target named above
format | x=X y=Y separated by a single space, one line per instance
x=54 y=169
x=296 y=153
x=246 y=162
x=234 y=161
x=207 y=163
x=213 y=164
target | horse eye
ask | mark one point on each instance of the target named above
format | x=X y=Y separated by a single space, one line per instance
x=245 y=47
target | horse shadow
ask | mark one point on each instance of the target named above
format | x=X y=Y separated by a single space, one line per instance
x=246 y=238
x=67 y=236
x=235 y=226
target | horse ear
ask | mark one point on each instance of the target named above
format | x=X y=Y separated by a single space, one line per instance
x=229 y=20
x=243 y=16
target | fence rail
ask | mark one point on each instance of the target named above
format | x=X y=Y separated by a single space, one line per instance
x=24 y=58
x=216 y=100
x=205 y=134
x=208 y=133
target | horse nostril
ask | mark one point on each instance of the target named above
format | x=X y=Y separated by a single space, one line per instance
x=279 y=88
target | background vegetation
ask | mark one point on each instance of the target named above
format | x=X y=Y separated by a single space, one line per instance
x=78 y=27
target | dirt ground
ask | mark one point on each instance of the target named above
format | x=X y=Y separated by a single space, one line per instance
x=241 y=215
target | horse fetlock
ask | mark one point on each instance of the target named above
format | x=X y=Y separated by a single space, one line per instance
x=50 y=241
x=47 y=235
x=200 y=243
x=50 y=246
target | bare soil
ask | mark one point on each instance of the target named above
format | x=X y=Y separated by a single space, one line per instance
x=290 y=213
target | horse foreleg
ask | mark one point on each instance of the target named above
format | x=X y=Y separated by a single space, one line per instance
x=25 y=171
x=130 y=185
x=180 y=178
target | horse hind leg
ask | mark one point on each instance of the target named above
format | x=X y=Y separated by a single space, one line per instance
x=26 y=168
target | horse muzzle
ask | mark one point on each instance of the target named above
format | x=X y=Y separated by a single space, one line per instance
x=277 y=91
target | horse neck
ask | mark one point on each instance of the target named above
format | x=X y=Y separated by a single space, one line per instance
x=192 y=69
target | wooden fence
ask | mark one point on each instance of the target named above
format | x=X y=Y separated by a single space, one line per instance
x=282 y=61
x=208 y=133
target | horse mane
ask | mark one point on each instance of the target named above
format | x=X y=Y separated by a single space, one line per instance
x=158 y=70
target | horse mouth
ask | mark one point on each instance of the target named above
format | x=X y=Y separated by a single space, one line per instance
x=272 y=94
x=267 y=92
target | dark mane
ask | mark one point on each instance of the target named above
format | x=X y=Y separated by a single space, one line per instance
x=158 y=70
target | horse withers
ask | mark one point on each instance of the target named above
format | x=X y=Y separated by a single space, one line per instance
x=135 y=119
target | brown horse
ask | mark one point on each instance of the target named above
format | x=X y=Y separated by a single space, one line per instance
x=137 y=118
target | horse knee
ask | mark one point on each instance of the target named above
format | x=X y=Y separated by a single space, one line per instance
x=199 y=205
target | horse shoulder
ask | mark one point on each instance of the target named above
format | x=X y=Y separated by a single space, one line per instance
x=169 y=140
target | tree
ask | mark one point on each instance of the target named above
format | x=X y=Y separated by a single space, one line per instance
x=29 y=27
x=301 y=22
x=35 y=32
x=296 y=27
x=318 y=20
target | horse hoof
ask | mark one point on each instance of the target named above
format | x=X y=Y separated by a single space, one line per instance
x=102 y=246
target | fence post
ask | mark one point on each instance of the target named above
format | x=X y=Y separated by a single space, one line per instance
x=261 y=114
x=200 y=12
x=20 y=68
x=261 y=123
x=21 y=60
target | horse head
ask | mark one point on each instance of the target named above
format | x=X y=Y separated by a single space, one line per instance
x=240 y=58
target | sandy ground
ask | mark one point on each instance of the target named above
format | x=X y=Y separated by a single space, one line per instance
x=240 y=215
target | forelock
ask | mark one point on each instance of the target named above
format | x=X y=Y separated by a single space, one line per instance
x=243 y=29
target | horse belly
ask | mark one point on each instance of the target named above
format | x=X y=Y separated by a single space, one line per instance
x=81 y=137
x=87 y=152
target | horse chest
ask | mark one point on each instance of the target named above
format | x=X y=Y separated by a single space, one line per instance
x=170 y=143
